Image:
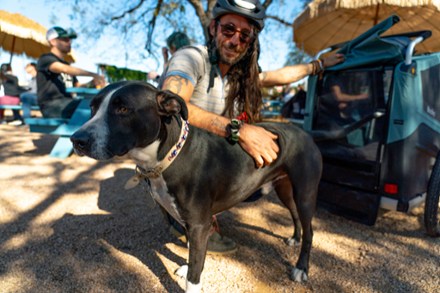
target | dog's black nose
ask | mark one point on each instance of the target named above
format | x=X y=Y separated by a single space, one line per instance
x=81 y=142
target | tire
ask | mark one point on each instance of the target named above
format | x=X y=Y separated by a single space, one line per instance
x=432 y=201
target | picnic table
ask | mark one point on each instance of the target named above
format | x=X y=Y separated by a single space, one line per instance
x=64 y=128
x=83 y=92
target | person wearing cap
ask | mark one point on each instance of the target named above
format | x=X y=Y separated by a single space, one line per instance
x=55 y=75
x=222 y=81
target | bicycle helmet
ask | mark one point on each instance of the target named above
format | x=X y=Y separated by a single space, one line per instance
x=251 y=9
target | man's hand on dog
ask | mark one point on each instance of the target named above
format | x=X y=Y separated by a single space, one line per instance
x=259 y=144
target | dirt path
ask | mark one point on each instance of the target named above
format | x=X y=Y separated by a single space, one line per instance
x=68 y=226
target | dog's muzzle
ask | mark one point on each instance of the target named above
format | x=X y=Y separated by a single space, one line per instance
x=85 y=143
x=81 y=142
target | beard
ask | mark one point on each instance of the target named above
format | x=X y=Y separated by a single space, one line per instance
x=65 y=49
x=230 y=60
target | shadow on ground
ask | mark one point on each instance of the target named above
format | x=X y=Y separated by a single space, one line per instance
x=126 y=247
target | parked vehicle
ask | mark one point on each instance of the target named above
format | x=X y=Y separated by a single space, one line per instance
x=376 y=120
x=271 y=109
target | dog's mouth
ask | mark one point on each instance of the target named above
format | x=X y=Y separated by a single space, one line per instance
x=78 y=152
x=100 y=156
x=97 y=154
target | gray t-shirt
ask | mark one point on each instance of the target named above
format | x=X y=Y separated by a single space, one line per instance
x=192 y=63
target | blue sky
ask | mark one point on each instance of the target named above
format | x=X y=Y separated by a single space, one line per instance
x=272 y=56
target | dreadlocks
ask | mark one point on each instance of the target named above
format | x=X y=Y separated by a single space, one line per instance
x=244 y=93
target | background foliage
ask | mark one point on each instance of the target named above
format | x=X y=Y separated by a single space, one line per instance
x=115 y=74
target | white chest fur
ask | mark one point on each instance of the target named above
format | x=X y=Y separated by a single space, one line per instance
x=147 y=158
x=161 y=195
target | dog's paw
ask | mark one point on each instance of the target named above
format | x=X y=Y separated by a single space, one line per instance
x=193 y=288
x=292 y=242
x=299 y=275
x=182 y=271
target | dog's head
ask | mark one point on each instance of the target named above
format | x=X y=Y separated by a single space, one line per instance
x=125 y=115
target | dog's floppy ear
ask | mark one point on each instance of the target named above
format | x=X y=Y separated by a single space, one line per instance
x=171 y=104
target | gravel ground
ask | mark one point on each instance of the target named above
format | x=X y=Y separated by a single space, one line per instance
x=69 y=226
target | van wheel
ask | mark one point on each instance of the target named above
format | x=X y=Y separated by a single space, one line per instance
x=432 y=201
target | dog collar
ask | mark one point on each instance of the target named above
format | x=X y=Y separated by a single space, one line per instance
x=161 y=166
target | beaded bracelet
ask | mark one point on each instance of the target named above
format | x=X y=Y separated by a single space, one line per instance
x=321 y=67
x=317 y=66
x=234 y=130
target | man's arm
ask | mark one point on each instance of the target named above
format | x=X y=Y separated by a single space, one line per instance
x=256 y=141
x=59 y=67
x=198 y=117
x=343 y=97
x=294 y=73
x=285 y=75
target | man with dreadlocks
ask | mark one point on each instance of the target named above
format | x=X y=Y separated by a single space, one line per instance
x=222 y=81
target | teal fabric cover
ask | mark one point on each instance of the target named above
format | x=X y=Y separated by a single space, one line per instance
x=370 y=49
x=407 y=112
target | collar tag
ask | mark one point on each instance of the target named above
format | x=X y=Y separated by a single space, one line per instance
x=133 y=181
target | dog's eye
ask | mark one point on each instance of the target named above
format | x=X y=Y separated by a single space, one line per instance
x=122 y=110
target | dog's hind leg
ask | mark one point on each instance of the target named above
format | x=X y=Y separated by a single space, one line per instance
x=300 y=271
x=284 y=190
x=198 y=241
x=305 y=200
x=305 y=175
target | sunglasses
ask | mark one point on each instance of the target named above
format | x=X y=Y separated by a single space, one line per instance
x=64 y=39
x=229 y=30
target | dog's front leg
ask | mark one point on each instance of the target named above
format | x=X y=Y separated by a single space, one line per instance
x=198 y=241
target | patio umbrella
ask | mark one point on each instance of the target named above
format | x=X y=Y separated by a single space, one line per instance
x=19 y=34
x=328 y=22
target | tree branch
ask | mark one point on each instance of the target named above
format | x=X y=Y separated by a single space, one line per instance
x=282 y=21
x=129 y=11
x=204 y=16
x=151 y=26
x=197 y=7
x=266 y=3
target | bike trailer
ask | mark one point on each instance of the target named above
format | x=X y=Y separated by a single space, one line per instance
x=376 y=120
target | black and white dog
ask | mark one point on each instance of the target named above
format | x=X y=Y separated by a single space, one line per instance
x=195 y=174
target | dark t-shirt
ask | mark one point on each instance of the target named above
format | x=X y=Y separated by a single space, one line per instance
x=52 y=86
x=11 y=87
